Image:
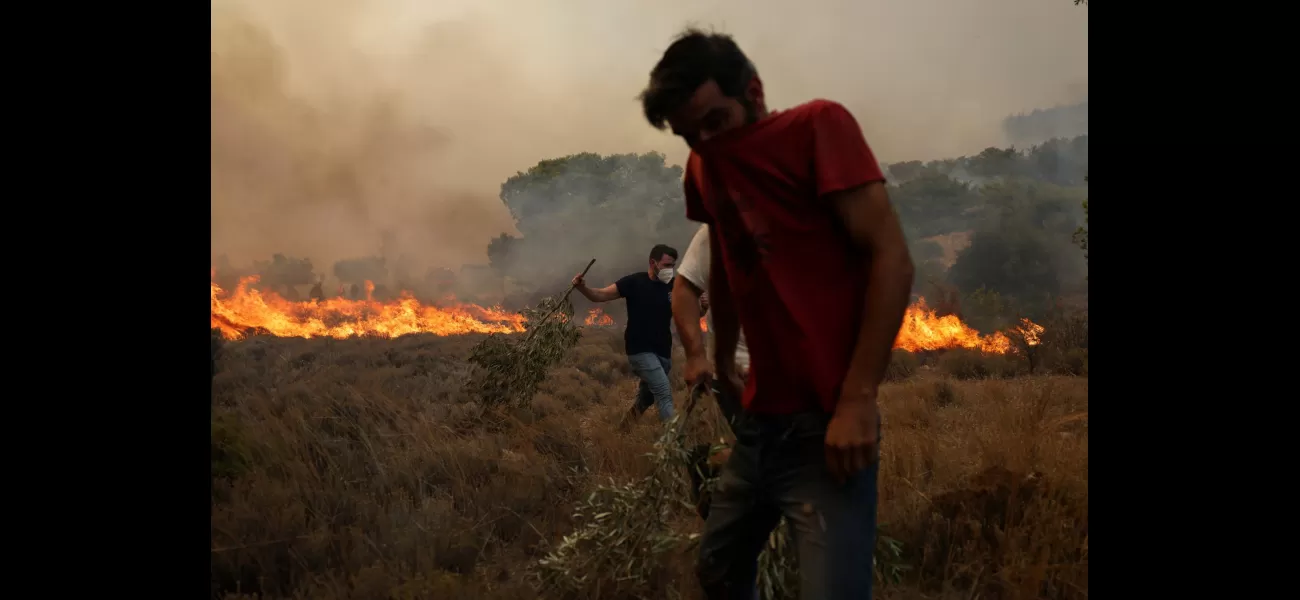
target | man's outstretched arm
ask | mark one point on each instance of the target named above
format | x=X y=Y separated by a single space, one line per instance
x=605 y=294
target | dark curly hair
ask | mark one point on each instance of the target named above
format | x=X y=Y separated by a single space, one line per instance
x=692 y=59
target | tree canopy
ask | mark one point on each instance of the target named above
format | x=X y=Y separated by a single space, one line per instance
x=1019 y=209
x=1023 y=210
x=571 y=209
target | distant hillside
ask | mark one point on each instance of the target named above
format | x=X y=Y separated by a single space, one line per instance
x=997 y=219
x=940 y=197
x=1059 y=161
x=1045 y=124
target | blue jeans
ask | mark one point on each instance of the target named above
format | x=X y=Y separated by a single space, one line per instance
x=655 y=389
x=778 y=468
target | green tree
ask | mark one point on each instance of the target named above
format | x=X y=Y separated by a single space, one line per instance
x=928 y=257
x=1016 y=262
x=571 y=209
x=988 y=311
x=1021 y=248
x=998 y=162
x=1044 y=206
x=501 y=252
x=932 y=204
x=902 y=172
x=1060 y=161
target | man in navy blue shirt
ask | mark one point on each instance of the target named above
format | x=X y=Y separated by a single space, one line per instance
x=647 y=340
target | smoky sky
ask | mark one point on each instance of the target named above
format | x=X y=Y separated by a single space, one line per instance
x=335 y=122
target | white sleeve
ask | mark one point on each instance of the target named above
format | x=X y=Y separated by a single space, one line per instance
x=694 y=266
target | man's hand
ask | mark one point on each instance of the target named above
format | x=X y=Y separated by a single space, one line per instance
x=698 y=370
x=732 y=383
x=851 y=436
x=579 y=281
x=704 y=302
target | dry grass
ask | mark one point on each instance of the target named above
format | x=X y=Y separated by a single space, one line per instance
x=360 y=469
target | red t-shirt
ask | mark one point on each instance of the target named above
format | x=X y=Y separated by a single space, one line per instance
x=796 y=280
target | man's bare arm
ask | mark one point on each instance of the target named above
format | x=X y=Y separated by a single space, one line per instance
x=686 y=314
x=869 y=218
x=605 y=294
x=726 y=325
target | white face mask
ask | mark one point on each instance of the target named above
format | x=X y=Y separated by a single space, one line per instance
x=666 y=275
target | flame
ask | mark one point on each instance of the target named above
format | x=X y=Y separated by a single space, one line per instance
x=598 y=318
x=924 y=330
x=1030 y=331
x=248 y=309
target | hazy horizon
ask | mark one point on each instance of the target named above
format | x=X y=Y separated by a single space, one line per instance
x=334 y=121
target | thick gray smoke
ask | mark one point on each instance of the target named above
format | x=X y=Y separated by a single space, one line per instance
x=338 y=122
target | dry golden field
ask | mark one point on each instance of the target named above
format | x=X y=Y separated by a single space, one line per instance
x=357 y=468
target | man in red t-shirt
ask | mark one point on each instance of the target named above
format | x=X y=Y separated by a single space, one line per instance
x=804 y=239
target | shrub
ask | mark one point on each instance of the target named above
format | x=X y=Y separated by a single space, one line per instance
x=508 y=369
x=902 y=365
x=973 y=364
x=1073 y=361
x=944 y=395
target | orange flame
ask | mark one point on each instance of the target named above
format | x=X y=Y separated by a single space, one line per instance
x=598 y=318
x=924 y=330
x=247 y=309
x=1030 y=331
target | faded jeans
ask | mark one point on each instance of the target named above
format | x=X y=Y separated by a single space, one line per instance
x=655 y=389
x=778 y=468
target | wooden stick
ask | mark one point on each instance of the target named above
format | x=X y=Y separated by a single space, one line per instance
x=563 y=299
x=571 y=286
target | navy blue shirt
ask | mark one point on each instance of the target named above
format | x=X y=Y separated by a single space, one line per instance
x=649 y=314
